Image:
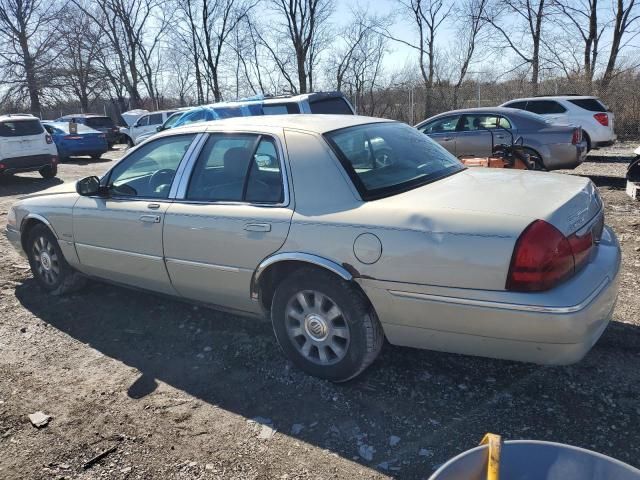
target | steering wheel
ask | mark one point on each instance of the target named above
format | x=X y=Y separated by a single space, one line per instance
x=383 y=157
x=161 y=178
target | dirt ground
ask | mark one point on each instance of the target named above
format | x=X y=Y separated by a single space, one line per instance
x=170 y=390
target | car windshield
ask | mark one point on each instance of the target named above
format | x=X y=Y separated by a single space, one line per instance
x=383 y=159
x=170 y=122
x=19 y=128
x=63 y=127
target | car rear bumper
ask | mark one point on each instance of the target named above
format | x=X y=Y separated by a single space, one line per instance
x=555 y=327
x=28 y=163
x=68 y=151
x=566 y=155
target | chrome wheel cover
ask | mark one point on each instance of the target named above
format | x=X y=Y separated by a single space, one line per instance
x=317 y=328
x=46 y=260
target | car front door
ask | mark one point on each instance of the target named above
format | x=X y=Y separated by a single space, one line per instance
x=230 y=213
x=139 y=127
x=443 y=131
x=119 y=236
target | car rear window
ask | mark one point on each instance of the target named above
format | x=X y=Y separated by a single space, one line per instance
x=383 y=159
x=335 y=105
x=18 y=128
x=591 y=104
x=99 y=122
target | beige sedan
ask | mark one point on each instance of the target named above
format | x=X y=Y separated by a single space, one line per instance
x=344 y=230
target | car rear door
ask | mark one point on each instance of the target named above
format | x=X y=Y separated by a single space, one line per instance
x=232 y=211
x=21 y=138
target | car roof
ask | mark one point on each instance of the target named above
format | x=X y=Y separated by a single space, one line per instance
x=315 y=123
x=17 y=116
x=480 y=110
x=85 y=115
x=553 y=97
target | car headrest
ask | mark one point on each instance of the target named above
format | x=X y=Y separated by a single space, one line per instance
x=236 y=160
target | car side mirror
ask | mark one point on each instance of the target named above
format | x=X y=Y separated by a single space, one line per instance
x=88 y=186
x=159 y=128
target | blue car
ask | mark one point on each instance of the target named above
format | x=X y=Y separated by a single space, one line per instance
x=86 y=142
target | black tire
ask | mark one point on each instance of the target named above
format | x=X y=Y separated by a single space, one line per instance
x=130 y=143
x=588 y=140
x=96 y=157
x=50 y=171
x=535 y=158
x=66 y=280
x=365 y=332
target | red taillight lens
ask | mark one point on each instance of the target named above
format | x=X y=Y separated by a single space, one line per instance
x=581 y=248
x=577 y=136
x=541 y=259
x=48 y=138
x=602 y=118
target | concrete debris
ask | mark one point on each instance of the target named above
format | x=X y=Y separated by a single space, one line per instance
x=366 y=452
x=39 y=419
x=266 y=432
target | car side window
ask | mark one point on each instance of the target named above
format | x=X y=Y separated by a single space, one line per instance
x=542 y=107
x=442 y=125
x=471 y=123
x=518 y=105
x=237 y=168
x=155 y=119
x=143 y=121
x=149 y=170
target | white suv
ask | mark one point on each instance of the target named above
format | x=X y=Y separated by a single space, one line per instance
x=25 y=146
x=146 y=124
x=589 y=112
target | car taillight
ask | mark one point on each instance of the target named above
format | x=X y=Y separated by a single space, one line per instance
x=72 y=137
x=541 y=259
x=48 y=138
x=602 y=118
x=577 y=136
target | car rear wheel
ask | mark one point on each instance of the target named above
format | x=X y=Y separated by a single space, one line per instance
x=535 y=158
x=96 y=157
x=49 y=267
x=49 y=171
x=325 y=325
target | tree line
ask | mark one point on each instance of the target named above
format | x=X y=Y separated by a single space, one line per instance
x=161 y=53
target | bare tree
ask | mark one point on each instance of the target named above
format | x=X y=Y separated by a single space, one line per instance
x=524 y=38
x=626 y=19
x=303 y=26
x=26 y=55
x=472 y=22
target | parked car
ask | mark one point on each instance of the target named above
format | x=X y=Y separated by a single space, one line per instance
x=25 y=146
x=101 y=123
x=343 y=230
x=318 y=102
x=469 y=133
x=145 y=125
x=589 y=112
x=86 y=141
x=168 y=123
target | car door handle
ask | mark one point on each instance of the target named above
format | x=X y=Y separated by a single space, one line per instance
x=150 y=218
x=258 y=227
x=153 y=206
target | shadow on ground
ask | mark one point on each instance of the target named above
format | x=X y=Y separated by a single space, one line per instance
x=619 y=183
x=85 y=160
x=23 y=185
x=437 y=404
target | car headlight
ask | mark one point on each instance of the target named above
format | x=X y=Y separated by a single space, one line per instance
x=12 y=218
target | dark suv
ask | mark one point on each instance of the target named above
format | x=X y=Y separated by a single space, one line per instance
x=101 y=123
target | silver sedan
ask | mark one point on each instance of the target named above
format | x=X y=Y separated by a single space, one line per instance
x=471 y=133
x=343 y=230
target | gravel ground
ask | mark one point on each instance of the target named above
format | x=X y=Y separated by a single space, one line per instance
x=169 y=390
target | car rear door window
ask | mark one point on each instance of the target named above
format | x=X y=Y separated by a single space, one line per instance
x=335 y=105
x=544 y=107
x=280 y=108
x=441 y=125
x=590 y=104
x=99 y=122
x=19 y=128
x=483 y=122
x=155 y=119
x=237 y=168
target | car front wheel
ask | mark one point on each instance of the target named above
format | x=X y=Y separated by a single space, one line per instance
x=49 y=171
x=49 y=267
x=325 y=325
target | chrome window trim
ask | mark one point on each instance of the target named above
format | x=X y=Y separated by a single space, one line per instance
x=122 y=252
x=502 y=305
x=192 y=152
x=284 y=173
x=213 y=266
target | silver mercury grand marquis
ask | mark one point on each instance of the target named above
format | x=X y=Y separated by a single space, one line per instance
x=344 y=230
